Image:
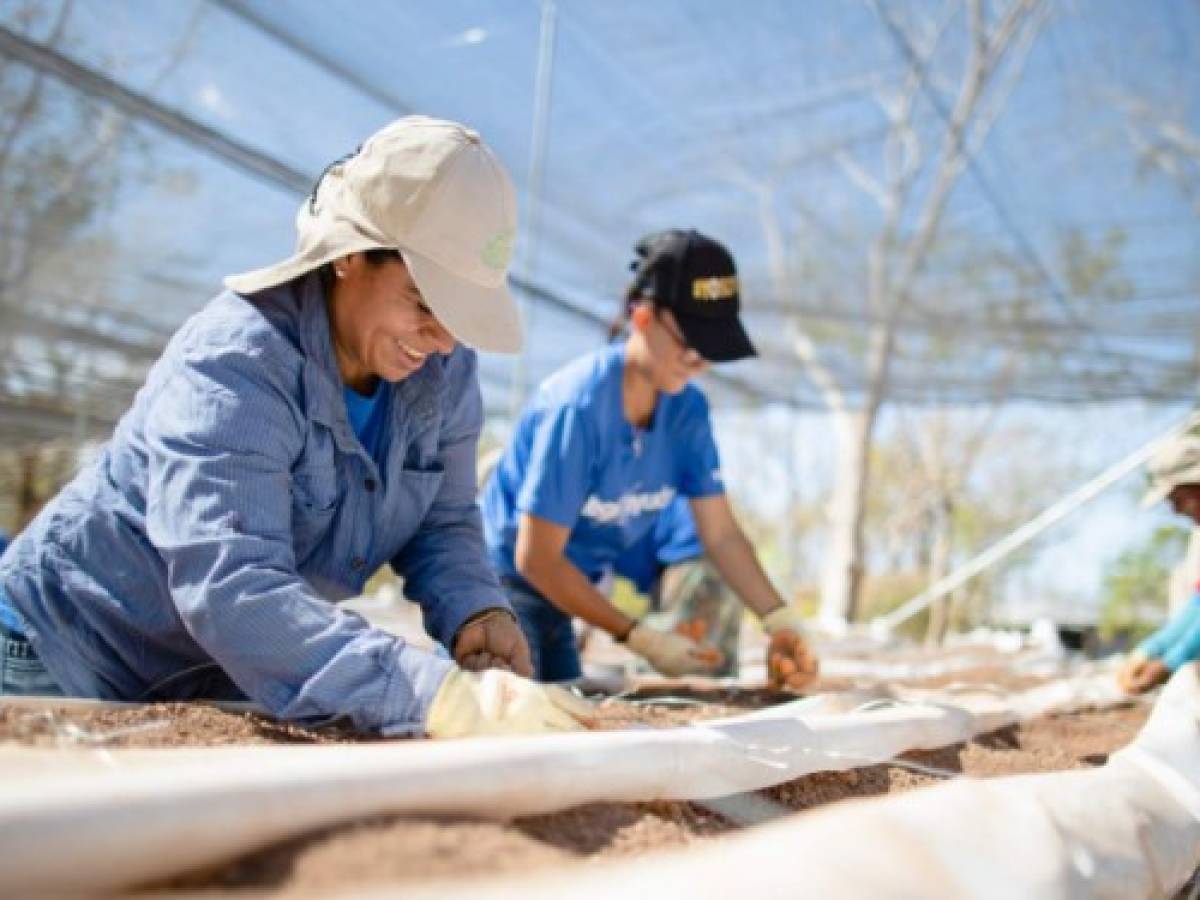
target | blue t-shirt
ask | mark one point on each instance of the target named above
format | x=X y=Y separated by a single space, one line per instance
x=576 y=461
x=367 y=415
x=672 y=539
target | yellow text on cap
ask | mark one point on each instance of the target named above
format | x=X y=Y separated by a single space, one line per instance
x=718 y=287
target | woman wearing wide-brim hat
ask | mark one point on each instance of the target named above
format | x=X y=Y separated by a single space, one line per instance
x=314 y=421
x=605 y=446
x=1174 y=472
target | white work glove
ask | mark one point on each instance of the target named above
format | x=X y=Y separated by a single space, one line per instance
x=672 y=654
x=791 y=665
x=497 y=702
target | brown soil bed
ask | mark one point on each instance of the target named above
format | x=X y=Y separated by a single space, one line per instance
x=157 y=725
x=393 y=851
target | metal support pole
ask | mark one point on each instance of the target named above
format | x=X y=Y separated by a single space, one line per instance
x=538 y=140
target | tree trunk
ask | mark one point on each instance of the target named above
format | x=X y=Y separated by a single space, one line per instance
x=939 y=567
x=893 y=265
x=842 y=577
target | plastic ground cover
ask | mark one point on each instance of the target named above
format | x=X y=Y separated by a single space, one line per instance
x=103 y=819
x=1128 y=829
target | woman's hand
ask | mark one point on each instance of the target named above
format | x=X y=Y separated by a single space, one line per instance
x=1142 y=673
x=474 y=704
x=493 y=640
x=791 y=664
x=671 y=654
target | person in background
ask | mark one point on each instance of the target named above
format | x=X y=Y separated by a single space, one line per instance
x=316 y=420
x=605 y=445
x=1174 y=477
x=667 y=566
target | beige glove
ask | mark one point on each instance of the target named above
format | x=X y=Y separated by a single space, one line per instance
x=782 y=617
x=672 y=654
x=497 y=702
x=791 y=665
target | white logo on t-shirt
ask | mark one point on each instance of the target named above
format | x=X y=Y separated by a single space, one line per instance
x=606 y=512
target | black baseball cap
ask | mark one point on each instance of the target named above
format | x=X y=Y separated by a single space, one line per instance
x=694 y=276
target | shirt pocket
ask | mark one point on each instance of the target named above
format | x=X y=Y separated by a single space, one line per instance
x=416 y=490
x=315 y=499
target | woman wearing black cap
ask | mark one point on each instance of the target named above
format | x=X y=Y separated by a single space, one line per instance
x=605 y=445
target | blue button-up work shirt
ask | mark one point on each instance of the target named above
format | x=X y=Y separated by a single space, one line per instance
x=234 y=506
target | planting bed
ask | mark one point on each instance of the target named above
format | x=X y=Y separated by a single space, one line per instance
x=392 y=850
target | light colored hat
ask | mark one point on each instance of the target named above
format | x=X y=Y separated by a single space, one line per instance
x=434 y=191
x=1175 y=464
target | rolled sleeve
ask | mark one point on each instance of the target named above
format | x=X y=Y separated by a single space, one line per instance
x=221 y=438
x=443 y=564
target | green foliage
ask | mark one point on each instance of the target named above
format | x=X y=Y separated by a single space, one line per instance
x=1093 y=269
x=883 y=593
x=1134 y=592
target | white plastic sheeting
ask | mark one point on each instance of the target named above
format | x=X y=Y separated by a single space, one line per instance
x=96 y=820
x=1128 y=829
x=950 y=664
x=860 y=655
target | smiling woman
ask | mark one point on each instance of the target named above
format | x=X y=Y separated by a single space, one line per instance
x=315 y=421
x=380 y=325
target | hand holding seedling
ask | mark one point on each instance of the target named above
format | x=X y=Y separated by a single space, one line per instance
x=791 y=664
x=673 y=654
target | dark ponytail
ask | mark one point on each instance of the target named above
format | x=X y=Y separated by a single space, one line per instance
x=643 y=289
x=634 y=295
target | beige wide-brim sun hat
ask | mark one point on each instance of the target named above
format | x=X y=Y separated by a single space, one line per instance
x=434 y=191
x=1174 y=464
